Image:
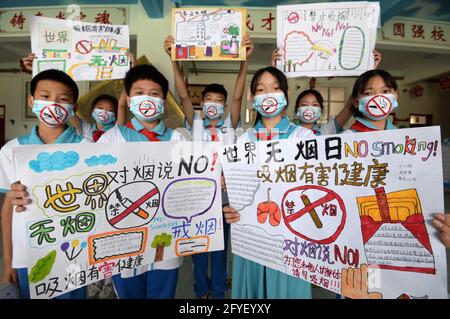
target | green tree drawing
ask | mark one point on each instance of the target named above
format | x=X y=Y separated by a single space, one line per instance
x=233 y=30
x=159 y=242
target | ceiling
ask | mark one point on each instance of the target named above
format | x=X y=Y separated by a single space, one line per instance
x=421 y=9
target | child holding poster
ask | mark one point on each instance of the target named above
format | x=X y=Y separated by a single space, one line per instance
x=214 y=127
x=252 y=280
x=380 y=86
x=105 y=110
x=309 y=105
x=146 y=90
x=53 y=100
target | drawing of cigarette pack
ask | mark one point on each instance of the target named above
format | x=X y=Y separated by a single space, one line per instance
x=394 y=232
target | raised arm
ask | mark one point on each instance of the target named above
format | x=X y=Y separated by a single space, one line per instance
x=9 y=275
x=345 y=114
x=26 y=63
x=276 y=55
x=239 y=87
x=121 y=118
x=377 y=56
x=180 y=85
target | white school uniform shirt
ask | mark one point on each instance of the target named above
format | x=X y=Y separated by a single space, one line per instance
x=87 y=130
x=123 y=134
x=200 y=132
x=285 y=127
x=8 y=175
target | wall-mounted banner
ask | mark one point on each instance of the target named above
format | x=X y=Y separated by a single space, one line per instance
x=97 y=212
x=316 y=208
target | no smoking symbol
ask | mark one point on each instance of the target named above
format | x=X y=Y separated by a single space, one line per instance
x=269 y=105
x=379 y=106
x=147 y=108
x=314 y=213
x=308 y=115
x=103 y=116
x=212 y=111
x=293 y=17
x=83 y=47
x=57 y=116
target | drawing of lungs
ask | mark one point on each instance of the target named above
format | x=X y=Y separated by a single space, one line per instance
x=351 y=48
x=297 y=50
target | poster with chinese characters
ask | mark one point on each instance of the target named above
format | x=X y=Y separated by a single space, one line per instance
x=349 y=213
x=85 y=51
x=96 y=212
x=327 y=39
x=208 y=33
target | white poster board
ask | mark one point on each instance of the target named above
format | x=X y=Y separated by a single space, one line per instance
x=314 y=209
x=327 y=39
x=85 y=51
x=98 y=211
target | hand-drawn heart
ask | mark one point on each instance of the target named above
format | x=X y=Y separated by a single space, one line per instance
x=271 y=209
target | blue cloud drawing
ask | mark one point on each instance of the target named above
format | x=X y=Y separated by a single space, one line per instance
x=57 y=161
x=103 y=159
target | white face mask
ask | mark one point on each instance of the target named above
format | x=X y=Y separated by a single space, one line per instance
x=213 y=110
x=309 y=114
x=270 y=104
x=378 y=107
x=147 y=108
x=51 y=113
x=103 y=117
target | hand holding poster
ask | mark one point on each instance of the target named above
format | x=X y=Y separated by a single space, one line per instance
x=208 y=33
x=316 y=208
x=327 y=39
x=85 y=51
x=96 y=213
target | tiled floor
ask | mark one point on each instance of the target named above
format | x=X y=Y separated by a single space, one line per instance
x=185 y=288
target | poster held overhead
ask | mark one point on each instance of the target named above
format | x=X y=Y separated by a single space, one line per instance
x=327 y=39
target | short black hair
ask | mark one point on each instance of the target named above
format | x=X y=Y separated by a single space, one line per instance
x=316 y=94
x=215 y=88
x=106 y=97
x=278 y=75
x=361 y=81
x=58 y=76
x=146 y=72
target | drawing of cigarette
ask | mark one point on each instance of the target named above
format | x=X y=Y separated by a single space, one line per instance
x=312 y=212
x=127 y=203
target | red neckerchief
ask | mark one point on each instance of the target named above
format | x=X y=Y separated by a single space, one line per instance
x=97 y=134
x=213 y=130
x=152 y=136
x=360 y=127
x=262 y=136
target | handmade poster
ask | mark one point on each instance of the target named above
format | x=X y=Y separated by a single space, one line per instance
x=85 y=51
x=327 y=39
x=96 y=212
x=350 y=213
x=208 y=33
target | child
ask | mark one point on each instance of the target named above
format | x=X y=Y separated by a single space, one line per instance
x=145 y=84
x=106 y=111
x=369 y=85
x=214 y=127
x=308 y=109
x=309 y=106
x=252 y=280
x=53 y=100
x=382 y=84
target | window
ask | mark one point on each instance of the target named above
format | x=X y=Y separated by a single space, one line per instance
x=334 y=101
